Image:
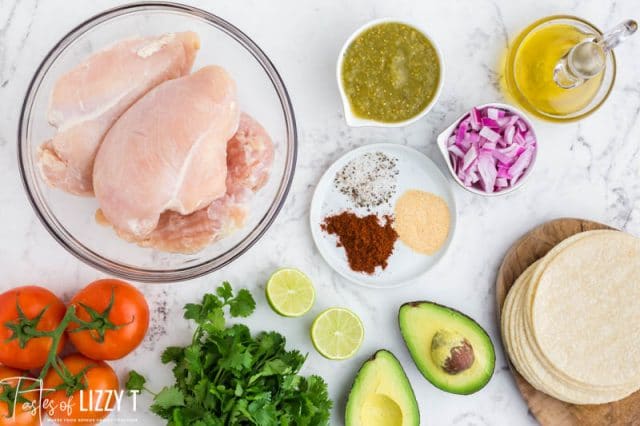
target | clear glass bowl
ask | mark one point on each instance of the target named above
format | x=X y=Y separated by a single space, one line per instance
x=262 y=93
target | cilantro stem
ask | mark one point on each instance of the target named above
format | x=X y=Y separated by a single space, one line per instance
x=146 y=389
x=218 y=375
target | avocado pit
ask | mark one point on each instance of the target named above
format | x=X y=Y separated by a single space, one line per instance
x=451 y=351
x=449 y=348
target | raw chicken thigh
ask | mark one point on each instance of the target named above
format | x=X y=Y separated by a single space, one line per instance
x=167 y=152
x=249 y=159
x=87 y=101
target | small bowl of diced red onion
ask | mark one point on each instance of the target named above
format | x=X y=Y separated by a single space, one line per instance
x=491 y=149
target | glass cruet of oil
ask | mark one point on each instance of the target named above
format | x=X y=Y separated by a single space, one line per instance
x=586 y=59
x=533 y=61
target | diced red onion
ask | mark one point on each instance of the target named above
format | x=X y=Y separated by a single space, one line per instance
x=487 y=171
x=489 y=134
x=502 y=182
x=462 y=132
x=491 y=149
x=489 y=122
x=469 y=157
x=509 y=133
x=495 y=113
x=522 y=125
x=519 y=139
x=503 y=172
x=521 y=163
x=475 y=117
x=455 y=150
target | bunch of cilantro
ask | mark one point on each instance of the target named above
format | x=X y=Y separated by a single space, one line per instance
x=226 y=376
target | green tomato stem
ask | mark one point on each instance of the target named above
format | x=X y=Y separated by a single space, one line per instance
x=25 y=329
x=56 y=336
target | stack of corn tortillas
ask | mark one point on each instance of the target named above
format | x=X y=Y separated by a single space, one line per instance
x=571 y=321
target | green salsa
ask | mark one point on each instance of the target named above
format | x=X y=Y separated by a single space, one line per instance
x=390 y=73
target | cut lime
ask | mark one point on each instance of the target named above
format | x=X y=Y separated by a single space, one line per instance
x=290 y=292
x=337 y=333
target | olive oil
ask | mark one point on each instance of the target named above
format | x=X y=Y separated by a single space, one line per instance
x=530 y=65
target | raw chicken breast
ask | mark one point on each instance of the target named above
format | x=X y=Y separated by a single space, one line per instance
x=87 y=100
x=167 y=152
x=249 y=159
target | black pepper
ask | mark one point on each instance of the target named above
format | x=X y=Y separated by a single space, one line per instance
x=369 y=180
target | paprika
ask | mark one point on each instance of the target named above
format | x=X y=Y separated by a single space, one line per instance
x=368 y=241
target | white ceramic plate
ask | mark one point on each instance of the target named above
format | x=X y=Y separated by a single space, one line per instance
x=416 y=171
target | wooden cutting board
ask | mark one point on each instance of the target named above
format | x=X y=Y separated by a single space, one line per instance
x=547 y=410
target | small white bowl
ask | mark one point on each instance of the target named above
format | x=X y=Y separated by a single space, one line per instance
x=354 y=121
x=444 y=136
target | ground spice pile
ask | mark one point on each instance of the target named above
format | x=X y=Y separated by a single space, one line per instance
x=369 y=180
x=422 y=221
x=368 y=241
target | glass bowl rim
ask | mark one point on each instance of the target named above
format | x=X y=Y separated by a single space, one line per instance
x=91 y=257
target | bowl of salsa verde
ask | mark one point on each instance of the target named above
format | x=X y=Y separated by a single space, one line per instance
x=389 y=73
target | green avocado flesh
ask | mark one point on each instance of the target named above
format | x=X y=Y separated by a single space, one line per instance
x=390 y=73
x=421 y=322
x=381 y=395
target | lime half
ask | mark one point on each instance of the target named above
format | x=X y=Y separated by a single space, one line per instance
x=290 y=292
x=337 y=333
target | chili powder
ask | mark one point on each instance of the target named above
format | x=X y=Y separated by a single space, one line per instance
x=368 y=241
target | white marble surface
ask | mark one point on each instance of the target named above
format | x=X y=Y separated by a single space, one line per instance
x=587 y=169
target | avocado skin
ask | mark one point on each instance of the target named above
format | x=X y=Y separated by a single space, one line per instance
x=352 y=410
x=437 y=376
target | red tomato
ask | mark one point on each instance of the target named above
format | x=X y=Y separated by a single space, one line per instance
x=13 y=385
x=85 y=406
x=125 y=322
x=32 y=300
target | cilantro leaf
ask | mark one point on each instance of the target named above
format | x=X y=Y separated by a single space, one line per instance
x=225 y=291
x=227 y=376
x=263 y=413
x=214 y=322
x=192 y=358
x=169 y=397
x=172 y=354
x=242 y=305
x=135 y=382
x=200 y=312
x=192 y=311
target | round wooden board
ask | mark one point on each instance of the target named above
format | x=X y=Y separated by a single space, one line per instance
x=547 y=410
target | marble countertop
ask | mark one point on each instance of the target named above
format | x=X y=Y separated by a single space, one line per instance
x=587 y=169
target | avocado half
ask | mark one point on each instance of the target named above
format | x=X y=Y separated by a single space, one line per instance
x=450 y=349
x=381 y=394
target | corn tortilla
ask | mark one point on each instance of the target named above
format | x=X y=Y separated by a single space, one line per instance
x=586 y=311
x=547 y=379
x=526 y=306
x=591 y=255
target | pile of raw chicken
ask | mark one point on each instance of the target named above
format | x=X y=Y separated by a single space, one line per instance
x=167 y=153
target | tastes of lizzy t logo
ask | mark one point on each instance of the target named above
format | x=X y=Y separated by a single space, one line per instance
x=25 y=396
